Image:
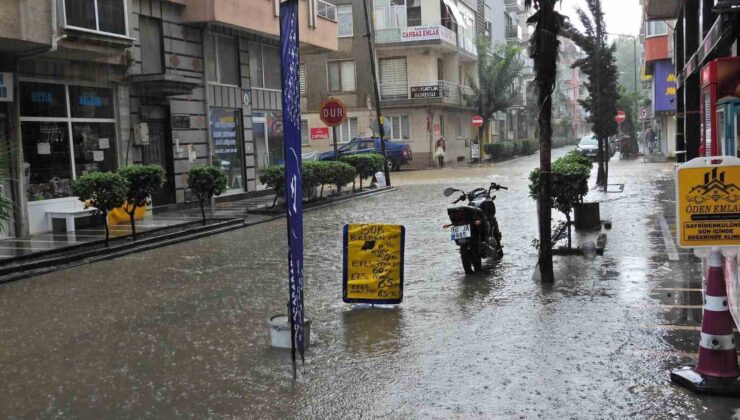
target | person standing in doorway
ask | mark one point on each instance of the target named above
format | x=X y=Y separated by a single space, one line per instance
x=439 y=151
x=650 y=139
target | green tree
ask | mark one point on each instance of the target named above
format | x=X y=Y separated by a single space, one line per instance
x=499 y=71
x=627 y=49
x=104 y=191
x=143 y=181
x=366 y=165
x=543 y=49
x=601 y=70
x=206 y=182
x=274 y=177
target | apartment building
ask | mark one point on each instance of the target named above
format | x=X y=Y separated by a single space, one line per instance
x=659 y=67
x=96 y=84
x=425 y=57
x=569 y=117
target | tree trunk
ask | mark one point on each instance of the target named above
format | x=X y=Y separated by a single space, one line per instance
x=107 y=230
x=600 y=174
x=567 y=220
x=322 y=191
x=360 y=184
x=274 y=202
x=133 y=223
x=203 y=211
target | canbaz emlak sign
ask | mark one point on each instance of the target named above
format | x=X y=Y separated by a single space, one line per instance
x=6 y=87
x=426 y=33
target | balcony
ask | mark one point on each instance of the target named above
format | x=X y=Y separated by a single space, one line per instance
x=514 y=6
x=513 y=33
x=261 y=17
x=662 y=9
x=424 y=93
x=24 y=26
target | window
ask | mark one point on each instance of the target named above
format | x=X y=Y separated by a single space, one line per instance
x=264 y=66
x=390 y=14
x=222 y=62
x=96 y=15
x=399 y=128
x=303 y=79
x=413 y=12
x=656 y=28
x=344 y=21
x=150 y=38
x=393 y=81
x=341 y=76
x=348 y=130
x=226 y=135
x=305 y=137
x=62 y=141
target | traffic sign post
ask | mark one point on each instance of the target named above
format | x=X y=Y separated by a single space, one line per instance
x=333 y=113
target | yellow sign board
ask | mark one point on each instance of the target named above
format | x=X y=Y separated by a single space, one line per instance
x=708 y=202
x=373 y=263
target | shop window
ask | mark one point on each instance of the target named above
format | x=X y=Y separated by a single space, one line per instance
x=46 y=160
x=348 y=130
x=60 y=144
x=413 y=12
x=91 y=102
x=344 y=21
x=96 y=15
x=222 y=59
x=264 y=66
x=92 y=147
x=42 y=100
x=400 y=130
x=226 y=134
x=152 y=57
x=657 y=28
x=341 y=76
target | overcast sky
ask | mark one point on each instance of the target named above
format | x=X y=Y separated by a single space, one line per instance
x=622 y=16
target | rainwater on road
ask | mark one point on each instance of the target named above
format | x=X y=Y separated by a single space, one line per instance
x=181 y=331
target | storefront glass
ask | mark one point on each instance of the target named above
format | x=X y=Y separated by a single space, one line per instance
x=60 y=143
x=226 y=134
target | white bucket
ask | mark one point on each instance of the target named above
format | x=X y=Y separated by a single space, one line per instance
x=280 y=331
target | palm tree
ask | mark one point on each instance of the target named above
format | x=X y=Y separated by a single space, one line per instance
x=498 y=80
x=543 y=49
x=602 y=72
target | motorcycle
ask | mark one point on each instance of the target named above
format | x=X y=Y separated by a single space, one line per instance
x=474 y=227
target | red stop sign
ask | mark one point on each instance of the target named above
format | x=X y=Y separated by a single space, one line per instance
x=332 y=112
x=477 y=121
x=620 y=117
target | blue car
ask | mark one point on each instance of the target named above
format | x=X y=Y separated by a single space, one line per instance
x=397 y=153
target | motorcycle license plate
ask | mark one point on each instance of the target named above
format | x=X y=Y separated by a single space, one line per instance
x=460 y=232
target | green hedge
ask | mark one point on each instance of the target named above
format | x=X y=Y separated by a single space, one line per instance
x=315 y=174
x=366 y=165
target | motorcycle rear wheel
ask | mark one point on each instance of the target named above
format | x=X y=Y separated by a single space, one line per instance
x=471 y=261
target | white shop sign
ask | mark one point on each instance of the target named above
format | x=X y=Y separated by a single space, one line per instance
x=6 y=87
x=426 y=33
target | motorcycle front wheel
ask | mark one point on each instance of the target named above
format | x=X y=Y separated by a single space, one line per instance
x=471 y=261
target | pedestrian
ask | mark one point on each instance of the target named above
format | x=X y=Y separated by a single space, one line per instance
x=439 y=151
x=650 y=139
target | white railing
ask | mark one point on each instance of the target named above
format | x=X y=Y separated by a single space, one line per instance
x=441 y=90
x=327 y=10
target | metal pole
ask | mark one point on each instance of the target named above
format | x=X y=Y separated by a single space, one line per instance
x=381 y=119
x=334 y=135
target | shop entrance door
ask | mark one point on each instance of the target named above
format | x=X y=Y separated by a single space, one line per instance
x=268 y=140
x=159 y=151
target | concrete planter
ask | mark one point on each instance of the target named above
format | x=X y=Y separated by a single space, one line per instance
x=587 y=216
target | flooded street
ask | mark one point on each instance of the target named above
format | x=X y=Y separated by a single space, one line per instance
x=181 y=331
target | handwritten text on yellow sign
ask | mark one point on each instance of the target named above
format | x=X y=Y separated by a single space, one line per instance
x=374 y=262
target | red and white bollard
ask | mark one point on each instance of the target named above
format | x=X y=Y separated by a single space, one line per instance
x=716 y=371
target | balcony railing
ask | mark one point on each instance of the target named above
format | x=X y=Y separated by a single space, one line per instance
x=327 y=10
x=432 y=32
x=439 y=90
x=514 y=5
x=513 y=32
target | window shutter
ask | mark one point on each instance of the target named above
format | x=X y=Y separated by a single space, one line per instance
x=348 y=76
x=303 y=79
x=405 y=129
x=393 y=83
x=305 y=138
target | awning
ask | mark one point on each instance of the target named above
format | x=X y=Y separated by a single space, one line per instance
x=452 y=7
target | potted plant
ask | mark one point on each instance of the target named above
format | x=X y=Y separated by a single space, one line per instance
x=143 y=181
x=205 y=182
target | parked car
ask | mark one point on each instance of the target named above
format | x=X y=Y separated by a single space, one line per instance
x=589 y=147
x=397 y=153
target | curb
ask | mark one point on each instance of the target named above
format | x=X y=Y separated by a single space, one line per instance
x=18 y=272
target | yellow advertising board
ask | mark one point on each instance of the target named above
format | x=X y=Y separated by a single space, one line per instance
x=708 y=202
x=373 y=263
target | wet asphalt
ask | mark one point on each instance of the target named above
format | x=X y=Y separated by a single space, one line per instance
x=181 y=331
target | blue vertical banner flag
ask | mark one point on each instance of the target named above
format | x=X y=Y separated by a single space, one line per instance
x=289 y=63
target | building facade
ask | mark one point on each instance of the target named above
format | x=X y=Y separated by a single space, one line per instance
x=180 y=83
x=706 y=34
x=425 y=58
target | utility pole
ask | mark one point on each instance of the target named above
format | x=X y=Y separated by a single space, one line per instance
x=381 y=118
